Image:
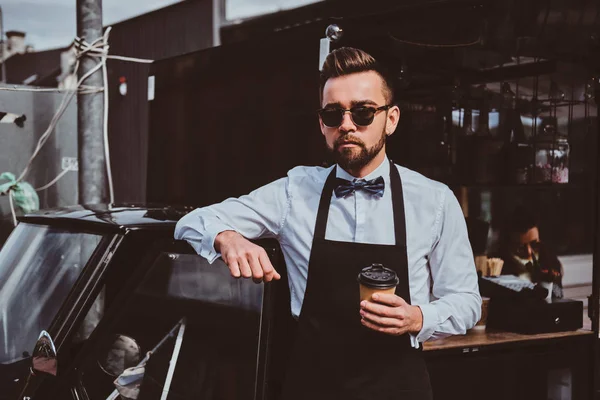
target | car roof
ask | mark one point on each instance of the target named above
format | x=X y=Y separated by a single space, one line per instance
x=114 y=217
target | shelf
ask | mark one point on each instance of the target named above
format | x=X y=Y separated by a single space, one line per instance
x=529 y=186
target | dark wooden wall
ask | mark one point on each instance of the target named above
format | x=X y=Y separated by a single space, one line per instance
x=182 y=28
x=238 y=117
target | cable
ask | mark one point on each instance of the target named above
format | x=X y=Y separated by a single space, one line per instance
x=105 y=123
x=23 y=89
x=62 y=108
x=139 y=60
x=436 y=45
x=53 y=181
x=12 y=208
x=82 y=89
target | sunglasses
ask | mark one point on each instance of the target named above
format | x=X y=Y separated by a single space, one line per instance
x=523 y=249
x=360 y=115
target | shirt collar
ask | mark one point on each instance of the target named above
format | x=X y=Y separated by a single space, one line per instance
x=382 y=170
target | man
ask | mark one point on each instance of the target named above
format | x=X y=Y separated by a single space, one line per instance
x=332 y=222
x=526 y=256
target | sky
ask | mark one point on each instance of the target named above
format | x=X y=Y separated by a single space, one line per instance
x=51 y=24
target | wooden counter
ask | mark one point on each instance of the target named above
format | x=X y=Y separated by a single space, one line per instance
x=477 y=337
x=506 y=365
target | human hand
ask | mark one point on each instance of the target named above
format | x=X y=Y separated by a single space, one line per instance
x=390 y=314
x=244 y=258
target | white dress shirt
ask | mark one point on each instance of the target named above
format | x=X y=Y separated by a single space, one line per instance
x=442 y=275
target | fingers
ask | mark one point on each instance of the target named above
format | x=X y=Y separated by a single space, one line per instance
x=247 y=260
x=245 y=267
x=260 y=265
x=269 y=272
x=256 y=269
x=389 y=299
x=383 y=310
x=383 y=318
x=394 y=320
x=396 y=331
x=234 y=268
x=385 y=322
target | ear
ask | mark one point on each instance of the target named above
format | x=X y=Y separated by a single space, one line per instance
x=322 y=127
x=393 y=117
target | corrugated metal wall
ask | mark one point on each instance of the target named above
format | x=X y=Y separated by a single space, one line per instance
x=17 y=145
x=182 y=28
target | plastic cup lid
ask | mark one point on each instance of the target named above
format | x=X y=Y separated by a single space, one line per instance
x=377 y=276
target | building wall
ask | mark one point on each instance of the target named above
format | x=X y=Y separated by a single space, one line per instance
x=223 y=123
x=17 y=145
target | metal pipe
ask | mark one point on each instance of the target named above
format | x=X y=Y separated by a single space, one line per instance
x=595 y=298
x=3 y=44
x=90 y=111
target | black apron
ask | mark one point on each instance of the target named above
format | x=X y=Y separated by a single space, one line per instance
x=335 y=356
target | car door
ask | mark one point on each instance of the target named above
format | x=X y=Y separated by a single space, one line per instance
x=199 y=333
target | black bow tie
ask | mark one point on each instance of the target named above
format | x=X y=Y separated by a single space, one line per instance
x=373 y=186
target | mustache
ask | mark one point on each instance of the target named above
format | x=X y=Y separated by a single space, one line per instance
x=342 y=140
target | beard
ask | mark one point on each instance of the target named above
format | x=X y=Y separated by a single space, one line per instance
x=352 y=159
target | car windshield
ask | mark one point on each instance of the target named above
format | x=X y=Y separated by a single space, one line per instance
x=38 y=267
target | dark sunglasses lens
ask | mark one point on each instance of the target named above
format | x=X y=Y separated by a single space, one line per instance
x=331 y=118
x=363 y=115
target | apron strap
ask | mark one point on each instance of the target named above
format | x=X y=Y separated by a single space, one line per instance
x=398 y=206
x=400 y=230
x=323 y=213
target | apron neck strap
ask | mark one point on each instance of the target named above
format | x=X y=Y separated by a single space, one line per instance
x=397 y=205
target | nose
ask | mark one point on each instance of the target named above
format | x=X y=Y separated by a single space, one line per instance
x=529 y=251
x=347 y=124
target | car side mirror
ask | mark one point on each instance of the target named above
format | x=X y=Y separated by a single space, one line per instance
x=44 y=358
x=43 y=361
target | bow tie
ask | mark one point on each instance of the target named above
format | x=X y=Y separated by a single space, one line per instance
x=373 y=186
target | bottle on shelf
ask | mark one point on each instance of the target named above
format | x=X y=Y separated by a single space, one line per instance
x=551 y=154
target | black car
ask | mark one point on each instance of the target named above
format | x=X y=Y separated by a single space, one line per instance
x=105 y=300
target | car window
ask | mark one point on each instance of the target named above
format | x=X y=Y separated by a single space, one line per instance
x=38 y=267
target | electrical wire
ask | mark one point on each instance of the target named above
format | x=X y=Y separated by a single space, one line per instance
x=132 y=59
x=451 y=45
x=111 y=190
x=24 y=89
x=53 y=181
x=82 y=89
x=12 y=207
x=61 y=109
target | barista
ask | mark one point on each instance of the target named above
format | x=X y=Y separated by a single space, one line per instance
x=332 y=222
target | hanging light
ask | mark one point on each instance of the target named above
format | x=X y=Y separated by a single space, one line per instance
x=123 y=86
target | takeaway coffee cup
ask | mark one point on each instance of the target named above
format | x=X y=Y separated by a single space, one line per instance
x=376 y=279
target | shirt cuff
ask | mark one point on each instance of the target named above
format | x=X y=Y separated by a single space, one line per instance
x=205 y=247
x=430 y=322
